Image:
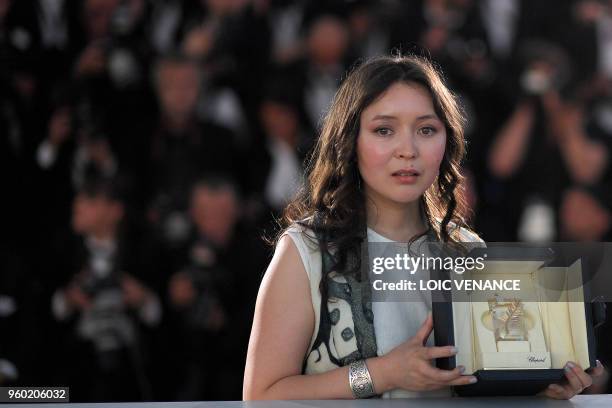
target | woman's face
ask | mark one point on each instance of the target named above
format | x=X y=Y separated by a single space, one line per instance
x=400 y=144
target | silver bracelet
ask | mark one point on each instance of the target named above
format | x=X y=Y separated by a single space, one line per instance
x=360 y=380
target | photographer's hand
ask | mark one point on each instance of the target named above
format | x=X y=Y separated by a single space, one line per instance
x=585 y=158
x=217 y=318
x=134 y=293
x=59 y=126
x=408 y=365
x=92 y=61
x=181 y=290
x=100 y=153
x=199 y=41
x=510 y=145
x=76 y=298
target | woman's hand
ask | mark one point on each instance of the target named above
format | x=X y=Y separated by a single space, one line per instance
x=576 y=381
x=408 y=366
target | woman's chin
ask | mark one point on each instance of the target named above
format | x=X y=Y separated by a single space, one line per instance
x=405 y=199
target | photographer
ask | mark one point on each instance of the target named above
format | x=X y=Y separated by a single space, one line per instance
x=543 y=148
x=182 y=146
x=101 y=305
x=211 y=294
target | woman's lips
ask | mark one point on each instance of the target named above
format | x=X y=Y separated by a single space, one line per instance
x=408 y=176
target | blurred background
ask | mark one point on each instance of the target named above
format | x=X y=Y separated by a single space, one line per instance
x=146 y=146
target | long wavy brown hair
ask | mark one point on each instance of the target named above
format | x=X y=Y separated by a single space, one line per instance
x=331 y=202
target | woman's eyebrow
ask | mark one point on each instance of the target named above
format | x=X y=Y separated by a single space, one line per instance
x=383 y=117
x=429 y=116
x=392 y=117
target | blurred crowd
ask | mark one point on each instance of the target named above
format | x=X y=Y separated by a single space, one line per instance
x=146 y=146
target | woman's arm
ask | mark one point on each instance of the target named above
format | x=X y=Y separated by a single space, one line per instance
x=281 y=334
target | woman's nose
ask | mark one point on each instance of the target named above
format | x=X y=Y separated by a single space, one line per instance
x=407 y=148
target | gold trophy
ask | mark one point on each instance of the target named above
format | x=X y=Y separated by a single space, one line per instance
x=508 y=319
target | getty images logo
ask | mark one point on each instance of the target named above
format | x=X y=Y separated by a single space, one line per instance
x=533 y=359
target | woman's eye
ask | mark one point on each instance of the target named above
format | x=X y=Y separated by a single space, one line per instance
x=383 y=131
x=427 y=131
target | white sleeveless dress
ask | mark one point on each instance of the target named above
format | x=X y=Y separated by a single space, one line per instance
x=394 y=322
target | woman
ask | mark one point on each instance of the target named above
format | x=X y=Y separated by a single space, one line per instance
x=386 y=168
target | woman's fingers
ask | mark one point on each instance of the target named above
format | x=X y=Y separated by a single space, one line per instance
x=447 y=377
x=442 y=376
x=438 y=352
x=463 y=380
x=573 y=381
x=599 y=370
x=424 y=331
x=577 y=379
x=557 y=391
